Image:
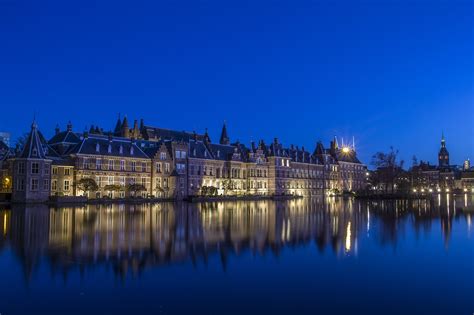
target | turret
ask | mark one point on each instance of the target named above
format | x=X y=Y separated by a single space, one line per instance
x=224 y=137
x=443 y=155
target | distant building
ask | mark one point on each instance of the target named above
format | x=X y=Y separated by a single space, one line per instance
x=466 y=165
x=444 y=177
x=5 y=138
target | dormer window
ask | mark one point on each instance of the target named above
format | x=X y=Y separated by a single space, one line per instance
x=35 y=152
x=205 y=153
x=131 y=150
x=121 y=149
x=218 y=153
x=97 y=147
x=109 y=149
x=194 y=152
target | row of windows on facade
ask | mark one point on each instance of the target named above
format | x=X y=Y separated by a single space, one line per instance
x=113 y=165
x=195 y=184
x=298 y=185
x=219 y=172
x=298 y=173
x=34 y=184
x=35 y=168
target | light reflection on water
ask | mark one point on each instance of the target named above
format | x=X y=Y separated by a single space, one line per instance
x=130 y=239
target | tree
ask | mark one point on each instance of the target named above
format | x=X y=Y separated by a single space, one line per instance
x=87 y=185
x=21 y=141
x=113 y=188
x=388 y=169
x=227 y=184
x=136 y=188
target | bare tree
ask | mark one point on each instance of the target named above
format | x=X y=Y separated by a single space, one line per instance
x=388 y=169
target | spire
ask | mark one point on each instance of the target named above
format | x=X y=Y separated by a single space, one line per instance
x=336 y=144
x=207 y=139
x=443 y=140
x=118 y=126
x=125 y=130
x=353 y=143
x=224 y=137
x=33 y=147
x=136 y=131
x=69 y=126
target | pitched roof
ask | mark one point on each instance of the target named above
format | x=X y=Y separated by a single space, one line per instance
x=151 y=133
x=36 y=146
x=66 y=136
x=197 y=149
x=99 y=145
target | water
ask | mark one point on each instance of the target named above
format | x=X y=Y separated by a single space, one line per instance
x=325 y=256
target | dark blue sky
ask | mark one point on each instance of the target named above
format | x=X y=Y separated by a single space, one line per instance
x=387 y=72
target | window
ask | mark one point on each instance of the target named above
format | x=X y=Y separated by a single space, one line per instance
x=85 y=163
x=34 y=168
x=46 y=184
x=98 y=164
x=134 y=166
x=34 y=184
x=121 y=149
x=167 y=167
x=163 y=156
x=158 y=182
x=165 y=182
x=66 y=185
x=180 y=154
x=111 y=180
x=143 y=166
x=55 y=171
x=111 y=165
x=180 y=167
x=21 y=168
x=122 y=180
x=122 y=165
x=46 y=169
x=54 y=185
x=158 y=167
x=21 y=184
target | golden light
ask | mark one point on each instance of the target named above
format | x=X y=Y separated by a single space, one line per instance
x=346 y=150
x=348 y=237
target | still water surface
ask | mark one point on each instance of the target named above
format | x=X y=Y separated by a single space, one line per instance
x=308 y=256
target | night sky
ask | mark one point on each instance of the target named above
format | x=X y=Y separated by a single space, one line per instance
x=386 y=72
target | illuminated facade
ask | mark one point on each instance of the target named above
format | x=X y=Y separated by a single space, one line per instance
x=427 y=178
x=148 y=161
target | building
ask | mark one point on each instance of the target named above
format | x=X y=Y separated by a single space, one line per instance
x=148 y=161
x=443 y=177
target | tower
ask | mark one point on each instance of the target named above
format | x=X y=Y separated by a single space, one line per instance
x=224 y=137
x=443 y=155
x=32 y=170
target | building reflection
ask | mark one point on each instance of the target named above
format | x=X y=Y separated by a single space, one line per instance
x=130 y=238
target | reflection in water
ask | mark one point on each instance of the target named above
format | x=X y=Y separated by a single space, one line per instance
x=134 y=237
